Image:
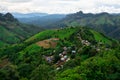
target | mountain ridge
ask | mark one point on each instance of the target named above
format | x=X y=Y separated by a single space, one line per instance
x=12 y=31
x=27 y=15
x=43 y=20
x=102 y=22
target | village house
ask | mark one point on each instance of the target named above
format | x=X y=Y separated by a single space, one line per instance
x=85 y=42
x=62 y=59
x=64 y=52
x=61 y=55
x=98 y=49
x=73 y=52
x=65 y=48
x=67 y=59
x=49 y=59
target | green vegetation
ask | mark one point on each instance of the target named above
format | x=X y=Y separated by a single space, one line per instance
x=105 y=23
x=2 y=44
x=100 y=37
x=99 y=67
x=62 y=34
x=86 y=58
x=8 y=36
x=11 y=31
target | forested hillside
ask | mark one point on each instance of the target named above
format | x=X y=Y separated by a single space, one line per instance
x=59 y=39
x=108 y=24
x=12 y=31
x=72 y=53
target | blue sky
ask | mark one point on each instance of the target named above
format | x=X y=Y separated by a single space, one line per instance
x=60 y=6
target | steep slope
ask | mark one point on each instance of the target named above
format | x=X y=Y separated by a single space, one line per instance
x=11 y=31
x=109 y=24
x=73 y=56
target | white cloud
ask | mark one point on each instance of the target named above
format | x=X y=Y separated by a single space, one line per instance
x=16 y=1
x=60 y=6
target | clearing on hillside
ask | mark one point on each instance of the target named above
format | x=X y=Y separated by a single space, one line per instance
x=48 y=43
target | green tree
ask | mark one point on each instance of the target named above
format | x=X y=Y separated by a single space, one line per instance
x=43 y=72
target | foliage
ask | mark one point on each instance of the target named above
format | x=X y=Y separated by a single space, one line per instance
x=27 y=61
x=12 y=31
x=105 y=23
x=106 y=67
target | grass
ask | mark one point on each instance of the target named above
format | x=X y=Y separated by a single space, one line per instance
x=41 y=36
x=2 y=44
x=66 y=33
x=32 y=49
x=100 y=37
x=7 y=36
x=61 y=34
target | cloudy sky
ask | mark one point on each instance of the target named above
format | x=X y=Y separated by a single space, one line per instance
x=60 y=6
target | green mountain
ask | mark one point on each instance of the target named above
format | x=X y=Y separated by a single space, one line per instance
x=12 y=31
x=109 y=24
x=73 y=53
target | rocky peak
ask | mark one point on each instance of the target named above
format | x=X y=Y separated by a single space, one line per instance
x=80 y=12
x=9 y=17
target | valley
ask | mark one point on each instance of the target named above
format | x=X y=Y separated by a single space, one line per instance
x=79 y=46
x=59 y=39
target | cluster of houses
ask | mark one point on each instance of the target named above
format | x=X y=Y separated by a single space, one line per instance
x=87 y=43
x=64 y=57
x=84 y=42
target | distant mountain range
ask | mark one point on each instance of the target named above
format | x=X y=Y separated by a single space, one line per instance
x=28 y=15
x=109 y=24
x=39 y=19
x=12 y=31
x=73 y=52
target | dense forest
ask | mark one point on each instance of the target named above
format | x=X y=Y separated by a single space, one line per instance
x=72 y=53
x=59 y=39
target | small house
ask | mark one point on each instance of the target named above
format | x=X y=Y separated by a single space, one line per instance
x=64 y=52
x=73 y=51
x=65 y=48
